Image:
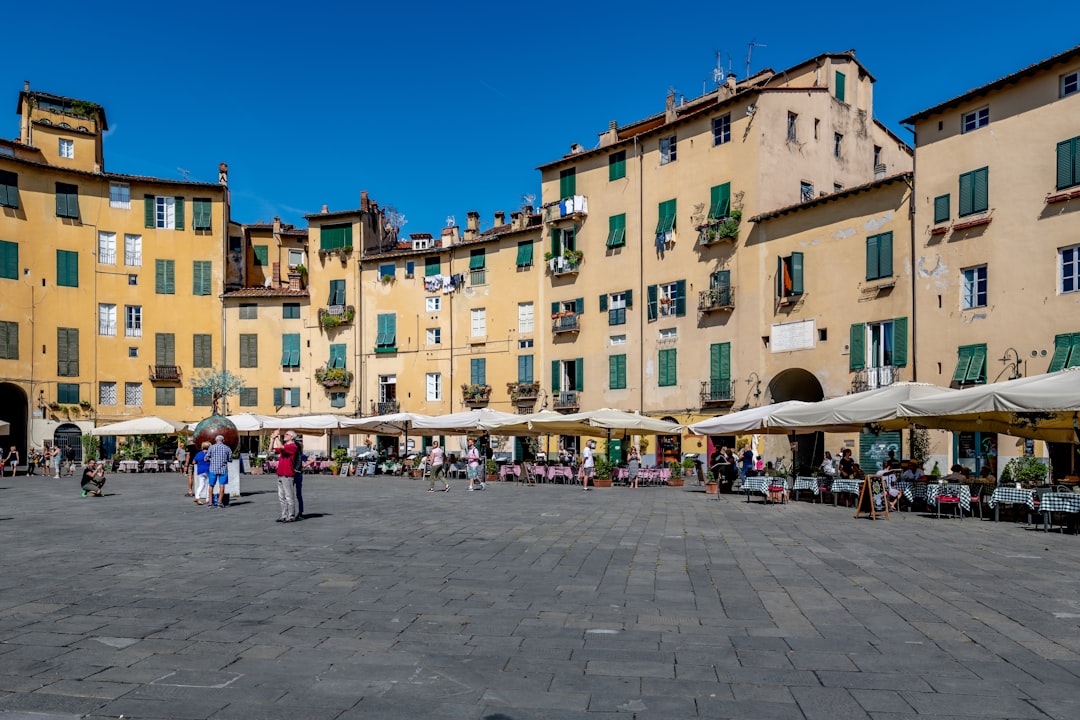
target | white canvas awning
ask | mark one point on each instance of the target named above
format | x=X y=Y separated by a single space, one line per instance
x=149 y=425
x=752 y=420
x=850 y=413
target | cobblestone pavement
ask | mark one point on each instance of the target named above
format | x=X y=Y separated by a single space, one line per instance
x=521 y=603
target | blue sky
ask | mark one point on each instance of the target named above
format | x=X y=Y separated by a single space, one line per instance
x=437 y=109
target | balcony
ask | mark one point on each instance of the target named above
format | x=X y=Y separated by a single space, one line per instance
x=716 y=230
x=721 y=298
x=523 y=392
x=566 y=402
x=332 y=378
x=388 y=407
x=875 y=377
x=475 y=395
x=165 y=373
x=568 y=263
x=566 y=322
x=333 y=316
x=717 y=393
x=571 y=208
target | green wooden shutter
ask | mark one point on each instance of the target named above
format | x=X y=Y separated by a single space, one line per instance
x=617 y=165
x=67 y=268
x=200 y=215
x=719 y=201
x=149 y=211
x=666 y=217
x=337 y=293
x=603 y=302
x=579 y=305
x=977 y=370
x=667 y=375
x=1074 y=355
x=857 y=347
x=279 y=397
x=164 y=277
x=781 y=290
x=556 y=375
x=966 y=199
x=680 y=298
x=1068 y=163
x=981 y=190
x=164 y=349
x=391 y=329
x=885 y=255
x=796 y=273
x=202 y=350
x=556 y=242
x=900 y=341
x=568 y=183
x=201 y=274
x=873 y=271
x=613 y=372
x=556 y=307
x=286 y=350
x=9 y=189
x=525 y=254
x=579 y=374
x=1062 y=346
x=651 y=293
x=9 y=260
x=178 y=213
x=629 y=299
x=941 y=209
x=963 y=362
x=841 y=89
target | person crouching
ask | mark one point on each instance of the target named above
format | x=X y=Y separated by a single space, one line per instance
x=93 y=479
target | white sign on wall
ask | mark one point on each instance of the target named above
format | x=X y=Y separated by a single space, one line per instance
x=793 y=336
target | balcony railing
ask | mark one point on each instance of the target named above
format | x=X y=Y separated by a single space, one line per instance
x=164 y=373
x=567 y=401
x=721 y=298
x=388 y=407
x=575 y=206
x=875 y=377
x=717 y=392
x=563 y=265
x=523 y=392
x=476 y=394
x=565 y=322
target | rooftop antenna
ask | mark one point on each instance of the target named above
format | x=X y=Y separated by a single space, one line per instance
x=451 y=221
x=528 y=199
x=749 y=51
x=718 y=72
x=185 y=173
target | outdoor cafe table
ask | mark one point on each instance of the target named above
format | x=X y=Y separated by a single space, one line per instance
x=505 y=470
x=1052 y=502
x=129 y=466
x=554 y=472
x=1011 y=496
x=806 y=483
x=851 y=486
x=755 y=484
x=963 y=491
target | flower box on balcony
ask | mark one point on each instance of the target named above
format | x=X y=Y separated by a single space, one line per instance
x=333 y=377
x=476 y=394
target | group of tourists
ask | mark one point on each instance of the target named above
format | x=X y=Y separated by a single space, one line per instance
x=437 y=461
x=207 y=472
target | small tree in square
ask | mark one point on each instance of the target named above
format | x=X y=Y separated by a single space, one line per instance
x=219 y=384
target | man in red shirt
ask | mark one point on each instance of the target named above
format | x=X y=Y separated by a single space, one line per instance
x=287 y=452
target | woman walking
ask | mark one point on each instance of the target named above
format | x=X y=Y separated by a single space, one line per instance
x=437 y=467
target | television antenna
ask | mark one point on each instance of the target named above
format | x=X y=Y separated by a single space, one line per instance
x=451 y=221
x=749 y=51
x=528 y=199
x=185 y=173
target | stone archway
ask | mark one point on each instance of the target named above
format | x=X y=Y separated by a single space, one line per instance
x=799 y=384
x=69 y=437
x=14 y=408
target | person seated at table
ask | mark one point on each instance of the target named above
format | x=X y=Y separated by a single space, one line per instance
x=913 y=473
x=986 y=477
x=957 y=474
x=891 y=463
x=93 y=479
x=846 y=466
x=828 y=466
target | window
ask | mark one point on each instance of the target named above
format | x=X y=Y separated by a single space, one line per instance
x=667 y=150
x=525 y=254
x=721 y=130
x=67 y=393
x=386 y=335
x=410 y=265
x=975 y=120
x=477 y=371
x=337 y=293
x=526 y=318
x=524 y=344
x=562 y=240
x=617 y=372
x=941 y=209
x=434 y=386
x=433 y=304
x=432 y=266
x=879 y=256
x=477 y=265
x=107 y=248
x=789 y=275
x=667 y=300
x=119 y=197
x=107 y=393
x=878 y=344
x=806 y=191
x=1066 y=352
x=567 y=182
x=616 y=165
x=568 y=375
x=720 y=371
x=107 y=320
x=337 y=399
x=615 y=306
x=617 y=340
x=67 y=268
x=792 y=127
x=1068 y=163
x=296 y=257
x=260 y=255
x=249 y=311
x=665 y=222
x=719 y=201
x=9 y=340
x=434 y=336
x=201 y=277
x=478 y=322
x=249 y=397
x=133 y=394
x=668 y=334
x=133 y=352
x=289 y=396
x=164 y=213
x=974 y=191
x=67 y=148
x=165 y=396
x=164 y=349
x=133 y=279
x=201 y=213
x=249 y=350
x=387 y=389
x=165 y=277
x=290 y=350
x=970 y=365
x=290 y=311
x=387 y=270
x=133 y=250
x=1070 y=268
x=67 y=200
x=9 y=189
x=133 y=321
x=332 y=237
x=841 y=86
x=202 y=355
x=667 y=375
x=616 y=231
x=837 y=145
x=1070 y=83
x=337 y=356
x=67 y=352
x=973 y=294
x=9 y=260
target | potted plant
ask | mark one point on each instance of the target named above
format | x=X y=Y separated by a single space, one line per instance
x=339 y=457
x=712 y=487
x=573 y=257
x=676 y=479
x=1025 y=470
x=333 y=377
x=688 y=467
x=603 y=471
x=387 y=279
x=492 y=471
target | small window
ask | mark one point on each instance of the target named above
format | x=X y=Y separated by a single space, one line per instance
x=290 y=311
x=133 y=352
x=434 y=336
x=524 y=344
x=792 y=127
x=433 y=304
x=9 y=189
x=667 y=150
x=1070 y=269
x=1070 y=83
x=975 y=119
x=806 y=191
x=721 y=130
x=434 y=387
x=973 y=293
x=616 y=340
x=120 y=196
x=133 y=279
x=67 y=148
x=249 y=311
x=617 y=165
x=838 y=144
x=941 y=209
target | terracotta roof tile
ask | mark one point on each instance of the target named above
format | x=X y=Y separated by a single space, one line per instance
x=264 y=292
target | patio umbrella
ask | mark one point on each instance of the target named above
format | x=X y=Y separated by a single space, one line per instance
x=246 y=423
x=753 y=420
x=631 y=423
x=517 y=424
x=851 y=413
x=1044 y=407
x=459 y=423
x=553 y=423
x=304 y=422
x=149 y=425
x=390 y=424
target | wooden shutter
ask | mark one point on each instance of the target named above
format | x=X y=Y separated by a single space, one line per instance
x=900 y=341
x=841 y=86
x=857 y=347
x=1062 y=346
x=603 y=302
x=249 y=350
x=980 y=190
x=149 y=211
x=294 y=395
x=201 y=215
x=1074 y=355
x=651 y=294
x=885 y=253
x=556 y=242
x=178 y=213
x=201 y=273
x=941 y=209
x=613 y=373
x=9 y=189
x=1068 y=163
x=680 y=298
x=279 y=397
x=579 y=374
x=966 y=194
x=165 y=349
x=556 y=308
x=629 y=299
x=719 y=201
x=872 y=266
x=567 y=183
x=202 y=351
x=977 y=370
x=796 y=273
x=556 y=375
x=963 y=362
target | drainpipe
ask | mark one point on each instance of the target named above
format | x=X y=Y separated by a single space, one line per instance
x=643 y=296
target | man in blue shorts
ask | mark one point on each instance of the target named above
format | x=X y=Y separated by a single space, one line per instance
x=219 y=455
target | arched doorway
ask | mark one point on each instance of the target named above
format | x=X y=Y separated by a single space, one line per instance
x=66 y=437
x=798 y=384
x=13 y=410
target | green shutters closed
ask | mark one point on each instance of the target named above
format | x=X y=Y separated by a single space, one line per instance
x=900 y=341
x=165 y=277
x=525 y=253
x=261 y=255
x=67 y=268
x=202 y=351
x=164 y=349
x=665 y=222
x=165 y=396
x=202 y=397
x=525 y=368
x=974 y=191
x=67 y=352
x=67 y=393
x=249 y=350
x=333 y=237
x=201 y=214
x=616 y=230
x=478 y=371
x=178 y=213
x=556 y=375
x=603 y=302
x=201 y=276
x=567 y=183
x=337 y=356
x=719 y=201
x=857 y=347
x=432 y=266
x=249 y=397
x=386 y=336
x=841 y=86
x=941 y=209
x=9 y=340
x=67 y=200
x=667 y=376
x=149 y=211
x=720 y=371
x=279 y=397
x=617 y=372
x=290 y=350
x=9 y=260
x=9 y=189
x=337 y=293
x=579 y=374
x=617 y=165
x=879 y=254
x=1068 y=164
x=476 y=259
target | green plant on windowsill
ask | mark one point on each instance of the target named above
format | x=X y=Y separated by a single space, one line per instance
x=475 y=392
x=522 y=389
x=328 y=321
x=333 y=377
x=387 y=279
x=302 y=270
x=573 y=256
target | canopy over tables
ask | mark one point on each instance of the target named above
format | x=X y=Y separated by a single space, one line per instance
x=458 y=423
x=632 y=423
x=149 y=425
x=851 y=413
x=1044 y=407
x=392 y=424
x=246 y=423
x=519 y=424
x=754 y=420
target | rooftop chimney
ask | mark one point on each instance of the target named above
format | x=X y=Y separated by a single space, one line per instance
x=669 y=107
x=449 y=235
x=611 y=136
x=515 y=220
x=325 y=209
x=500 y=218
x=472 y=225
x=364 y=202
x=223 y=173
